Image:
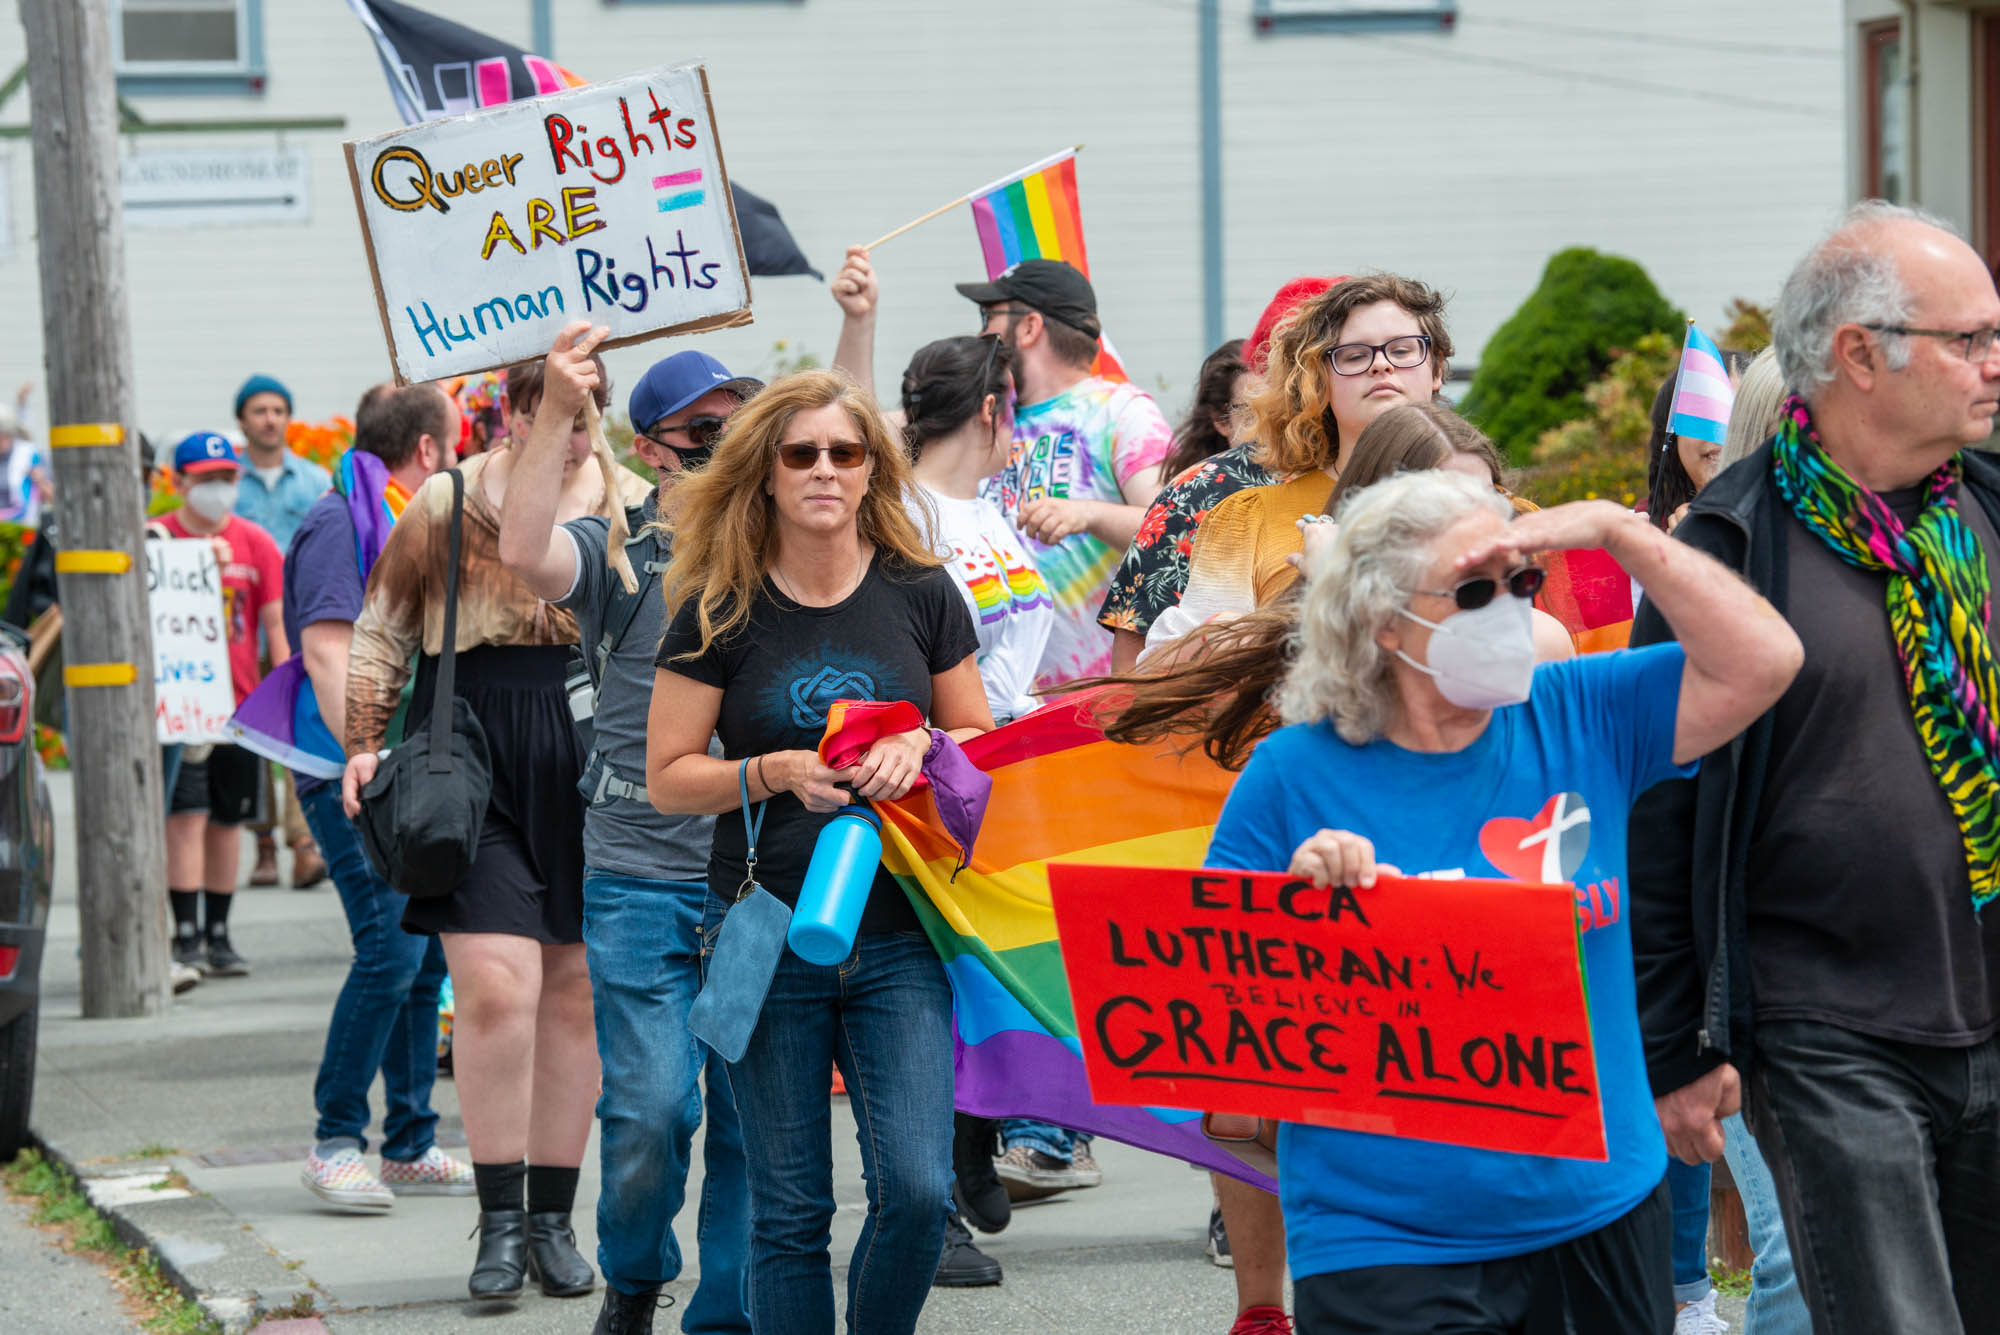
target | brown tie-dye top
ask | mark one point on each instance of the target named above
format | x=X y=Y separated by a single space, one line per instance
x=404 y=609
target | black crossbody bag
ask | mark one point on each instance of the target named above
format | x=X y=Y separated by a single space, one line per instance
x=422 y=812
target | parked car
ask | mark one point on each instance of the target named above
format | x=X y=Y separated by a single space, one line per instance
x=27 y=873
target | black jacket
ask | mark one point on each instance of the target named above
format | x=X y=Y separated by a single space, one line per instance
x=1689 y=843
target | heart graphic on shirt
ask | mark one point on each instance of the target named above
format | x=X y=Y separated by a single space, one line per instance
x=1548 y=848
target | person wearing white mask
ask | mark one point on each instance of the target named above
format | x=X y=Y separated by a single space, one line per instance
x=214 y=797
x=1422 y=735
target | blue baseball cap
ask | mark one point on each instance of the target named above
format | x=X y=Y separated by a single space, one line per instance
x=205 y=452
x=671 y=385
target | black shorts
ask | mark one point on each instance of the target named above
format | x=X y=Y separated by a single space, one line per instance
x=228 y=785
x=1616 y=1281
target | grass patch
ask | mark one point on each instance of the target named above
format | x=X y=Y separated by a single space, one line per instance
x=1732 y=1283
x=153 y=1149
x=62 y=1207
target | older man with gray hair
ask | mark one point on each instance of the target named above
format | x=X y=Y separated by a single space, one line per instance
x=1808 y=911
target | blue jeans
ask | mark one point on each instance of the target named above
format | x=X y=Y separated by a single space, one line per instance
x=1776 y=1306
x=643 y=939
x=1688 y=1186
x=1055 y=1141
x=884 y=1017
x=386 y=1016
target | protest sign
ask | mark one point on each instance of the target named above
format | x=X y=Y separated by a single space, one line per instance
x=190 y=641
x=487 y=233
x=1450 y=1011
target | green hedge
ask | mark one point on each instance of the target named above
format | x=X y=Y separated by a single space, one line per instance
x=1536 y=367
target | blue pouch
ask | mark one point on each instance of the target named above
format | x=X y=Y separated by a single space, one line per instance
x=747 y=950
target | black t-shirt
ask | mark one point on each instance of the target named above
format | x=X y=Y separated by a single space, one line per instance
x=1860 y=904
x=780 y=674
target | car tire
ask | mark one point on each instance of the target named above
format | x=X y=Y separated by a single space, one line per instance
x=17 y=1081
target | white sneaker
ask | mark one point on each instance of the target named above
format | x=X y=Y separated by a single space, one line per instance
x=1700 y=1318
x=183 y=977
x=342 y=1178
x=436 y=1174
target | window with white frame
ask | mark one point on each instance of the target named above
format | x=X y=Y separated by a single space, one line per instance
x=181 y=37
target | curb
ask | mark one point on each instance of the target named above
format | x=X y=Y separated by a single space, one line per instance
x=203 y=1249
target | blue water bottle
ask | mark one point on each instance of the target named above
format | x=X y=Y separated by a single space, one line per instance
x=838 y=880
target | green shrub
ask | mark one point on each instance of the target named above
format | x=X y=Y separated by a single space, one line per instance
x=1602 y=454
x=1536 y=367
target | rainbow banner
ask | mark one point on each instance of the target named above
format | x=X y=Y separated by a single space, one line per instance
x=1036 y=214
x=1062 y=793
x=1703 y=395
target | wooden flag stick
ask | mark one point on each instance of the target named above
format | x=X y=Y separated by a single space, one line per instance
x=943 y=209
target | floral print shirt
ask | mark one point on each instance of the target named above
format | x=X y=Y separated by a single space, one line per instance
x=1154 y=574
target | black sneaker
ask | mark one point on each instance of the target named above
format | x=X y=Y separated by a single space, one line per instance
x=223 y=961
x=975 y=1187
x=189 y=949
x=1218 y=1242
x=963 y=1266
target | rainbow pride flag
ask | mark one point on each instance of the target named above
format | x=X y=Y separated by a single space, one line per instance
x=1061 y=793
x=1036 y=214
x=1703 y=395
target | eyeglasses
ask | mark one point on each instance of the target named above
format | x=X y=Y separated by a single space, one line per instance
x=804 y=454
x=1356 y=358
x=1475 y=593
x=703 y=431
x=986 y=314
x=992 y=342
x=1978 y=342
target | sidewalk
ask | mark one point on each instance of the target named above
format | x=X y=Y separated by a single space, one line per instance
x=220 y=1091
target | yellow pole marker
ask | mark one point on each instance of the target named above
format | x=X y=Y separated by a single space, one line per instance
x=86 y=433
x=100 y=674
x=87 y=562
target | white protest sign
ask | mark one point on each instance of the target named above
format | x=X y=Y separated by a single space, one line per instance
x=190 y=640
x=487 y=233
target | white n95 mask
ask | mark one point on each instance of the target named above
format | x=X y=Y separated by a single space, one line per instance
x=1484 y=658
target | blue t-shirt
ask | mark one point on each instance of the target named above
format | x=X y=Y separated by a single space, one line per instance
x=322 y=583
x=1594 y=733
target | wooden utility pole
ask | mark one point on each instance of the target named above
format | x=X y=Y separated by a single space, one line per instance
x=101 y=561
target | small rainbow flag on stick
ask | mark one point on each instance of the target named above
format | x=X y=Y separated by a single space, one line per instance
x=1032 y=215
x=1702 y=393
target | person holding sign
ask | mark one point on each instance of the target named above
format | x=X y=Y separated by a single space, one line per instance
x=1421 y=733
x=213 y=798
x=798 y=580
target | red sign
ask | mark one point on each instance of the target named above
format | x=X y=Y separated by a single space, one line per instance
x=1451 y=1011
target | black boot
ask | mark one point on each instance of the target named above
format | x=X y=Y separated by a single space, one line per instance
x=976 y=1189
x=503 y=1253
x=628 y=1313
x=963 y=1266
x=553 y=1258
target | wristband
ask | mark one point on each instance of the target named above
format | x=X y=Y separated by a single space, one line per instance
x=761 y=779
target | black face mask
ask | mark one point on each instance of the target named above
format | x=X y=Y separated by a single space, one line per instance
x=704 y=432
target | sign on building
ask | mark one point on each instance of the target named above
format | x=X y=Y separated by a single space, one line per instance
x=204 y=187
x=190 y=640
x=489 y=232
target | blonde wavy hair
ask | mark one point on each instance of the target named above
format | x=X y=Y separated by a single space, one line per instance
x=1295 y=427
x=1753 y=418
x=725 y=535
x=1338 y=671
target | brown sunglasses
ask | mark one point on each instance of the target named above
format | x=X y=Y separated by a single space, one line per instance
x=804 y=454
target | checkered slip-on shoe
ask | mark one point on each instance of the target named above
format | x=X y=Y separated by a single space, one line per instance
x=436 y=1174
x=342 y=1178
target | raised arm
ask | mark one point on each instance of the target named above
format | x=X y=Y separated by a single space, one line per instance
x=854 y=287
x=1741 y=655
x=532 y=544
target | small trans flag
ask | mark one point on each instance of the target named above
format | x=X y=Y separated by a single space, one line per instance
x=1702 y=393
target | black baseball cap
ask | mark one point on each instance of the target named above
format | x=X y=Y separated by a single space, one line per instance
x=1058 y=290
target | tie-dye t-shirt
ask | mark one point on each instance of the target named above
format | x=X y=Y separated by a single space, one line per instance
x=1012 y=612
x=1083 y=444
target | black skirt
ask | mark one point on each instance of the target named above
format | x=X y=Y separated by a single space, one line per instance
x=527 y=878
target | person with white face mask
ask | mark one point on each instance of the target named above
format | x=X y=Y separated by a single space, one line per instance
x=1424 y=736
x=213 y=798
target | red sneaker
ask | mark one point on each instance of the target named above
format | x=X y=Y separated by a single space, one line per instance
x=1262 y=1321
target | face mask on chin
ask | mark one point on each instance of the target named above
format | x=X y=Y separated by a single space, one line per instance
x=1484 y=658
x=213 y=501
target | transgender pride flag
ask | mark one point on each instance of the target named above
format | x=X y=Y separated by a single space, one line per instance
x=1702 y=393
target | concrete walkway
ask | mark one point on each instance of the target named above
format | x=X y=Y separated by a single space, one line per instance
x=220 y=1091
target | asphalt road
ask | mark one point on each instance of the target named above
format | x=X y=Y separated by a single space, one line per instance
x=46 y=1290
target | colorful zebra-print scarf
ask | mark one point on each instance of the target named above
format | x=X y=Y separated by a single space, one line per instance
x=1938 y=598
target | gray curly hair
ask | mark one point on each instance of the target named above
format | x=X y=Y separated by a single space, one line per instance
x=1355 y=591
x=1845 y=279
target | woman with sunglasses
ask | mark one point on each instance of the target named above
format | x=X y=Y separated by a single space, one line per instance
x=1423 y=736
x=798 y=579
x=524 y=1050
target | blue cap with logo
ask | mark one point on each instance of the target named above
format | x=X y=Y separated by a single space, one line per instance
x=672 y=384
x=205 y=452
